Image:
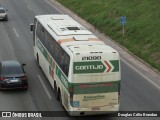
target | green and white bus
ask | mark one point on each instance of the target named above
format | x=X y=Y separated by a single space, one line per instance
x=83 y=71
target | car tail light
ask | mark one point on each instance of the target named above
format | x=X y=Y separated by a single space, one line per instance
x=2 y=78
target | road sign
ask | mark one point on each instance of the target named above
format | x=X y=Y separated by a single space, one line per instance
x=123 y=20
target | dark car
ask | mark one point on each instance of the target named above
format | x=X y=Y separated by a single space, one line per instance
x=12 y=75
x=3 y=13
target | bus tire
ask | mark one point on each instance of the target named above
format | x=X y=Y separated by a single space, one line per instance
x=60 y=98
x=58 y=95
x=55 y=89
x=38 y=60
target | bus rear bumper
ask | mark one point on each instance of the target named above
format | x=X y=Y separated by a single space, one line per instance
x=92 y=111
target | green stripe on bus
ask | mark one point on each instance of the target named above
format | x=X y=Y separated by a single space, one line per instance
x=45 y=53
x=42 y=49
x=62 y=77
x=115 y=63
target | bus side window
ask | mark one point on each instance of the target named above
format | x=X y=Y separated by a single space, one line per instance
x=66 y=64
x=47 y=41
x=56 y=54
x=38 y=29
x=53 y=49
x=62 y=59
x=40 y=33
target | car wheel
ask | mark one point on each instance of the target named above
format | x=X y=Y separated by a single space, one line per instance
x=0 y=86
x=6 y=18
x=26 y=87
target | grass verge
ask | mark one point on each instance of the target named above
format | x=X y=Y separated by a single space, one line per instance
x=142 y=31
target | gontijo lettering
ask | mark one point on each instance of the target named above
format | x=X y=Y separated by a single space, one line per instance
x=89 y=67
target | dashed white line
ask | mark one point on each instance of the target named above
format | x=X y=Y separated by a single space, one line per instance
x=29 y=8
x=141 y=74
x=15 y=32
x=45 y=88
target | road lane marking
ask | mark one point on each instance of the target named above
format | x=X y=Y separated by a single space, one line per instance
x=141 y=74
x=53 y=6
x=45 y=88
x=15 y=32
x=29 y=8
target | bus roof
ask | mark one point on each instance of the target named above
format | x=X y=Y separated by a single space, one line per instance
x=63 y=25
x=69 y=33
x=91 y=49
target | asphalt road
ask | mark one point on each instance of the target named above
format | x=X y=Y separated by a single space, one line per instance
x=137 y=94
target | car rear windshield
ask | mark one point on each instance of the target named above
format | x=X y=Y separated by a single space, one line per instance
x=2 y=11
x=12 y=71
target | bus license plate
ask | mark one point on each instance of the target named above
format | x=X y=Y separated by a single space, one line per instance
x=95 y=108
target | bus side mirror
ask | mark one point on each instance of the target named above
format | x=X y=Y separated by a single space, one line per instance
x=23 y=64
x=31 y=27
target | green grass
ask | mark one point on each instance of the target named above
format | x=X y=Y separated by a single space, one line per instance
x=142 y=32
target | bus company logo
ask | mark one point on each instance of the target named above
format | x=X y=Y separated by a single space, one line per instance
x=96 y=67
x=90 y=67
x=97 y=97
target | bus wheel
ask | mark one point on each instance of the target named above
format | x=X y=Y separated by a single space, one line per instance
x=60 y=98
x=38 y=61
x=55 y=89
x=58 y=95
